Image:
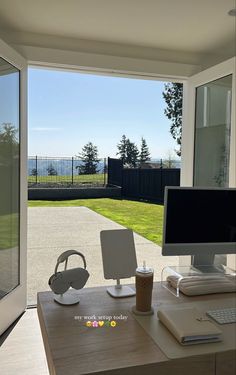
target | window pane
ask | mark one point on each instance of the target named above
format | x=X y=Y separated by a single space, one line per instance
x=9 y=177
x=212 y=133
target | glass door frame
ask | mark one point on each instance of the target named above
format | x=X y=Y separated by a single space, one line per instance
x=188 y=131
x=13 y=304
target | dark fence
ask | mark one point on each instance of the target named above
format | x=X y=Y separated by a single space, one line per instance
x=115 y=167
x=63 y=172
x=147 y=182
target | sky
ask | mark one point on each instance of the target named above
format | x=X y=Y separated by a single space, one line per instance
x=9 y=99
x=68 y=109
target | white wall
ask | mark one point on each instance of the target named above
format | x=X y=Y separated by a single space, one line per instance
x=94 y=62
x=69 y=53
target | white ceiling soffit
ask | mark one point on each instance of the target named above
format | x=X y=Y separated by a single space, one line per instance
x=145 y=27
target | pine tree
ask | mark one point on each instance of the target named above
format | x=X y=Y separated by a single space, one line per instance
x=144 y=152
x=51 y=170
x=8 y=133
x=128 y=152
x=132 y=154
x=89 y=157
x=173 y=95
x=9 y=141
x=122 y=148
x=34 y=172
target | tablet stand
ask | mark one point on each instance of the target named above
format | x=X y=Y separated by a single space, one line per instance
x=119 y=259
x=118 y=290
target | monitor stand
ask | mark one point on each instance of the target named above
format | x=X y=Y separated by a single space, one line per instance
x=205 y=263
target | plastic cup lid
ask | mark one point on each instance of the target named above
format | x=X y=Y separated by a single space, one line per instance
x=144 y=269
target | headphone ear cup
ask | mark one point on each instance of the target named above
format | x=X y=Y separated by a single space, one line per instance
x=58 y=283
x=79 y=278
x=51 y=280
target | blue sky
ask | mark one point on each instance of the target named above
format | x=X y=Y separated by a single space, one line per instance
x=9 y=99
x=67 y=109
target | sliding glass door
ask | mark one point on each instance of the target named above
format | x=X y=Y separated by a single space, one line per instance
x=209 y=131
x=209 y=127
x=9 y=178
x=212 y=133
x=13 y=185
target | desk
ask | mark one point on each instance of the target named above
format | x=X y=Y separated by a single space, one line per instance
x=74 y=349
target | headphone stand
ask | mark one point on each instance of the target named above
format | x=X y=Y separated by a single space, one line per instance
x=66 y=298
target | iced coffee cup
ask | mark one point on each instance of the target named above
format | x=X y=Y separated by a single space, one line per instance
x=144 y=286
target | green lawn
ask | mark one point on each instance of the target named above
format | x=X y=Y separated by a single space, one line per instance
x=97 y=178
x=143 y=218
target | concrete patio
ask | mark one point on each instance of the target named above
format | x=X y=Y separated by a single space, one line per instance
x=52 y=230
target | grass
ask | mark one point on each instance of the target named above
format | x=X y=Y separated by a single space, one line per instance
x=143 y=218
x=97 y=178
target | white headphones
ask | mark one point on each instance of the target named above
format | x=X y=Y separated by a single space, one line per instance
x=76 y=278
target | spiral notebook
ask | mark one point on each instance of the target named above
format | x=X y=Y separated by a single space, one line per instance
x=189 y=326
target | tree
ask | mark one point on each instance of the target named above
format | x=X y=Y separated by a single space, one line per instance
x=128 y=152
x=9 y=143
x=144 y=152
x=173 y=95
x=169 y=161
x=132 y=154
x=8 y=133
x=122 y=148
x=34 y=172
x=89 y=157
x=51 y=170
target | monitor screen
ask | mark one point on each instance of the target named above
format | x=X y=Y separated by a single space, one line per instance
x=196 y=219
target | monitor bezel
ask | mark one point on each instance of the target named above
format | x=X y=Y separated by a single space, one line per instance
x=193 y=248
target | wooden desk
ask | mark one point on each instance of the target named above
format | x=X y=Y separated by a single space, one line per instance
x=74 y=349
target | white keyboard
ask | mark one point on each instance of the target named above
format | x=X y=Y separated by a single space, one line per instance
x=223 y=316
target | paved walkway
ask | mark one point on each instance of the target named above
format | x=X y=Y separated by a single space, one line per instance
x=52 y=230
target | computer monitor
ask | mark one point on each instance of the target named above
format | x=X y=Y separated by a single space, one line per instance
x=200 y=222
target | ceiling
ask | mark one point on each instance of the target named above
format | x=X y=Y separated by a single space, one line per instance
x=190 y=26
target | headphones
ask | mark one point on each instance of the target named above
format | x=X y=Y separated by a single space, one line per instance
x=76 y=278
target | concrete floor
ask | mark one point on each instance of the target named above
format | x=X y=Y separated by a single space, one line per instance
x=22 y=352
x=52 y=230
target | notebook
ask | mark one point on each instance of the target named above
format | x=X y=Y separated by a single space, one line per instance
x=189 y=326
